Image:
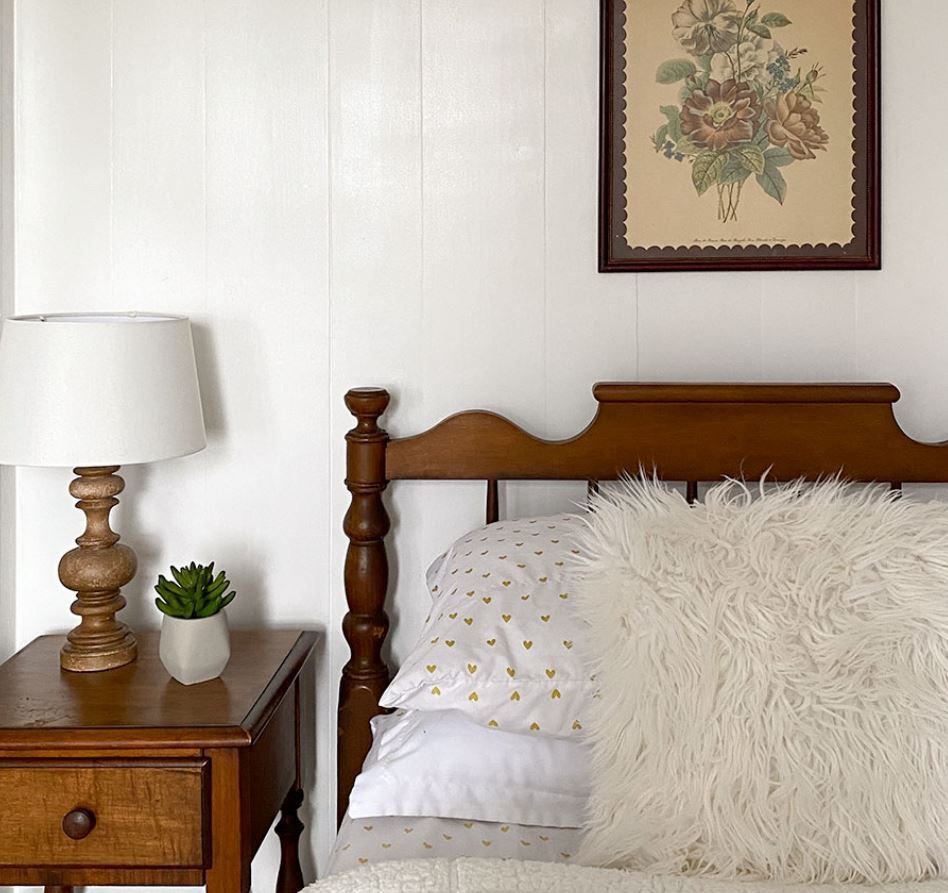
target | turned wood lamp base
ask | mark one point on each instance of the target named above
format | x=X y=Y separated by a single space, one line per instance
x=96 y=571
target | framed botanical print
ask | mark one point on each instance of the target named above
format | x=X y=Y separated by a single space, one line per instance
x=739 y=135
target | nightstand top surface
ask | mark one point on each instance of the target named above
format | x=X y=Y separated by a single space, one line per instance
x=140 y=703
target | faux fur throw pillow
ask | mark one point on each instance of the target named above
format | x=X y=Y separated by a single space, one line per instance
x=774 y=683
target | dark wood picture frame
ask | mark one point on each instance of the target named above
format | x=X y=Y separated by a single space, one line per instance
x=863 y=253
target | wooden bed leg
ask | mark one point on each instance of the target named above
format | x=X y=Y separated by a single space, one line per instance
x=289 y=829
x=365 y=626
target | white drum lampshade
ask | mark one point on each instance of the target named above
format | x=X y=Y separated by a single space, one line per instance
x=96 y=391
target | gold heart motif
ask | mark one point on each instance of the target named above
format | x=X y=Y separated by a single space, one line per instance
x=518 y=544
x=559 y=563
x=492 y=724
x=523 y=598
x=550 y=673
x=511 y=672
x=486 y=842
x=567 y=644
x=577 y=725
x=472 y=696
x=538 y=552
x=521 y=565
x=545 y=618
x=487 y=599
x=468 y=824
x=472 y=668
x=449 y=643
x=485 y=576
x=448 y=836
x=436 y=690
x=544 y=839
x=565 y=855
x=470 y=594
x=525 y=843
x=431 y=668
x=506 y=582
x=505 y=828
x=491 y=642
x=544 y=579
x=484 y=552
x=453 y=616
x=575 y=551
x=363 y=860
x=468 y=620
x=505 y=617
x=367 y=827
x=528 y=644
x=534 y=727
x=434 y=641
x=408 y=830
x=515 y=696
x=435 y=588
x=426 y=845
x=564 y=595
x=470 y=570
x=555 y=694
x=386 y=846
x=502 y=557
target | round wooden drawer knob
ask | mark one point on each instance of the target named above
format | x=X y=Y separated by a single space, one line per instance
x=78 y=823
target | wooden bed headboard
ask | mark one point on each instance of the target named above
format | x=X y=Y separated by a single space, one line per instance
x=686 y=432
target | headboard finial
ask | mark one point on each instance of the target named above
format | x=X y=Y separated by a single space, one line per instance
x=365 y=626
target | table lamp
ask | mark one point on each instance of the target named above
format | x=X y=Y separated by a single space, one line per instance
x=95 y=391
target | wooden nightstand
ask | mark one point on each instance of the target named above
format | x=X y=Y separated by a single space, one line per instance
x=128 y=777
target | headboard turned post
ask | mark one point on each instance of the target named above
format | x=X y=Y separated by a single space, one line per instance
x=365 y=626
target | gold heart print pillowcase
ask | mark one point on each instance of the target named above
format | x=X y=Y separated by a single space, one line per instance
x=502 y=641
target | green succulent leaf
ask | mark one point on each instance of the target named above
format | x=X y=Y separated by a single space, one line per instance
x=760 y=30
x=195 y=591
x=776 y=20
x=675 y=70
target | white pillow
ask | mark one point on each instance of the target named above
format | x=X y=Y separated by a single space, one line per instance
x=789 y=717
x=443 y=764
x=500 y=642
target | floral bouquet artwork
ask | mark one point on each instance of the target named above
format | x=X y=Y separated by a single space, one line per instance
x=747 y=106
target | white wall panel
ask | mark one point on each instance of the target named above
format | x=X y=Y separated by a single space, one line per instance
x=695 y=327
x=395 y=192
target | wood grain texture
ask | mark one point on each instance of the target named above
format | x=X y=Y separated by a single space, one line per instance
x=365 y=626
x=140 y=704
x=793 y=430
x=684 y=432
x=129 y=778
x=144 y=813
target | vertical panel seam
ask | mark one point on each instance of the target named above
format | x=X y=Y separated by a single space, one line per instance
x=112 y=154
x=546 y=234
x=423 y=278
x=334 y=619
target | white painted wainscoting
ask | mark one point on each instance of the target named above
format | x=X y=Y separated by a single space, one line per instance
x=394 y=192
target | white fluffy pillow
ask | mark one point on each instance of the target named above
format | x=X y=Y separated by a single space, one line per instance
x=444 y=764
x=774 y=683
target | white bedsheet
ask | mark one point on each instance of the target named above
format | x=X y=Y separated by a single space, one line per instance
x=368 y=841
x=508 y=876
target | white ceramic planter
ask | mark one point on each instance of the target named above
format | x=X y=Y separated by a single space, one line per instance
x=194 y=651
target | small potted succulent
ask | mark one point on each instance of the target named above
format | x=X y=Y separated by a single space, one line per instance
x=195 y=643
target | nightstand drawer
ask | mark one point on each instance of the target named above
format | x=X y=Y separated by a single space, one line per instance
x=133 y=813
